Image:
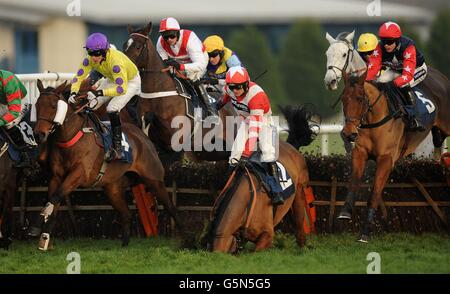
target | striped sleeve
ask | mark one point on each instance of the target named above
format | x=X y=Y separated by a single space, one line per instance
x=14 y=95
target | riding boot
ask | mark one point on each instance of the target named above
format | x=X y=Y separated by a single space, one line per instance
x=277 y=198
x=116 y=127
x=414 y=124
x=204 y=96
x=17 y=139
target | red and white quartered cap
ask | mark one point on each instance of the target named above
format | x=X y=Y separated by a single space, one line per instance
x=169 y=24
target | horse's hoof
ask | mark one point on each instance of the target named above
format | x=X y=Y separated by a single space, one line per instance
x=364 y=238
x=345 y=215
x=44 y=242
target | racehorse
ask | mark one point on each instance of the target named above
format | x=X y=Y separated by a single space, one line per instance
x=77 y=160
x=160 y=102
x=8 y=188
x=244 y=210
x=371 y=123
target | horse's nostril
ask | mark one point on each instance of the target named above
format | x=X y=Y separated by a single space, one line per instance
x=352 y=137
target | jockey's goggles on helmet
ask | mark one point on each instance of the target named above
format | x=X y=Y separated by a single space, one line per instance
x=388 y=41
x=169 y=35
x=214 y=53
x=95 y=52
x=233 y=87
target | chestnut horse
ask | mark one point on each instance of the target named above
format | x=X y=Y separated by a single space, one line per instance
x=79 y=163
x=8 y=189
x=245 y=211
x=369 y=122
x=165 y=104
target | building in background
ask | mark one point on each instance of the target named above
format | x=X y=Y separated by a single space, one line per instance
x=48 y=35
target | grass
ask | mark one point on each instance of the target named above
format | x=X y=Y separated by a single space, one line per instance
x=400 y=253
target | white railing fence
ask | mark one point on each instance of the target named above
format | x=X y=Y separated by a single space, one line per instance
x=53 y=79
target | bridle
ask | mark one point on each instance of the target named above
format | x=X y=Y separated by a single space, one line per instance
x=141 y=56
x=347 y=60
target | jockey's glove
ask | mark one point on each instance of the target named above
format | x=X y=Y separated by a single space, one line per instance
x=72 y=99
x=172 y=62
x=94 y=94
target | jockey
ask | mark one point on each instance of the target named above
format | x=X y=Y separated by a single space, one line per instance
x=367 y=43
x=12 y=92
x=121 y=83
x=399 y=53
x=251 y=102
x=220 y=60
x=183 y=51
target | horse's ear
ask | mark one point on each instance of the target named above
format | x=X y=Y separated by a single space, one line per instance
x=61 y=87
x=330 y=38
x=130 y=29
x=350 y=37
x=147 y=29
x=40 y=86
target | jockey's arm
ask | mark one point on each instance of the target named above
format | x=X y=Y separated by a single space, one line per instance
x=162 y=53
x=233 y=61
x=14 y=95
x=120 y=78
x=82 y=73
x=197 y=55
x=254 y=127
x=409 y=66
x=375 y=63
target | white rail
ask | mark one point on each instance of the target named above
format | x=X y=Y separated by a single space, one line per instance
x=54 y=79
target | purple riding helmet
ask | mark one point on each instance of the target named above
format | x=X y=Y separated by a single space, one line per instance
x=97 y=41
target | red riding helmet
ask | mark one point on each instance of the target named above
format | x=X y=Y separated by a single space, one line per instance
x=169 y=24
x=390 y=30
x=237 y=75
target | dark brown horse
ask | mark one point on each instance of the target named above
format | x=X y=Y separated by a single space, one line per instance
x=8 y=189
x=384 y=138
x=79 y=163
x=244 y=209
x=166 y=104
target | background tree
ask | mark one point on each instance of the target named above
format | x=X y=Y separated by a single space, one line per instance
x=254 y=52
x=439 y=43
x=303 y=65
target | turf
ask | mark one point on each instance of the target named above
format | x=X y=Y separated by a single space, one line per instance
x=400 y=253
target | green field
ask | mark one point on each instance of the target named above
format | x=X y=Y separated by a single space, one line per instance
x=400 y=253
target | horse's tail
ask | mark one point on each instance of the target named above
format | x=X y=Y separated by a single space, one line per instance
x=303 y=124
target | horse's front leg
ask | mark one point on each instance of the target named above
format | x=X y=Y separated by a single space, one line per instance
x=359 y=159
x=58 y=193
x=384 y=168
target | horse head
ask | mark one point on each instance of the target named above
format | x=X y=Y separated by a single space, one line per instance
x=355 y=104
x=341 y=57
x=51 y=110
x=136 y=47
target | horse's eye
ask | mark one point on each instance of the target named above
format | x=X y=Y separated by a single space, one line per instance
x=345 y=54
x=138 y=47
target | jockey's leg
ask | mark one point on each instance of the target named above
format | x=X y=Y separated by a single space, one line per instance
x=18 y=140
x=116 y=128
x=414 y=124
x=267 y=146
x=238 y=144
x=201 y=90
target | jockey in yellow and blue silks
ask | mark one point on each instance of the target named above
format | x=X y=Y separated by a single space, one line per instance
x=221 y=59
x=121 y=84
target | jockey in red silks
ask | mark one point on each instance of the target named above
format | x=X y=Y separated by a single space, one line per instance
x=12 y=92
x=251 y=102
x=399 y=53
x=183 y=51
